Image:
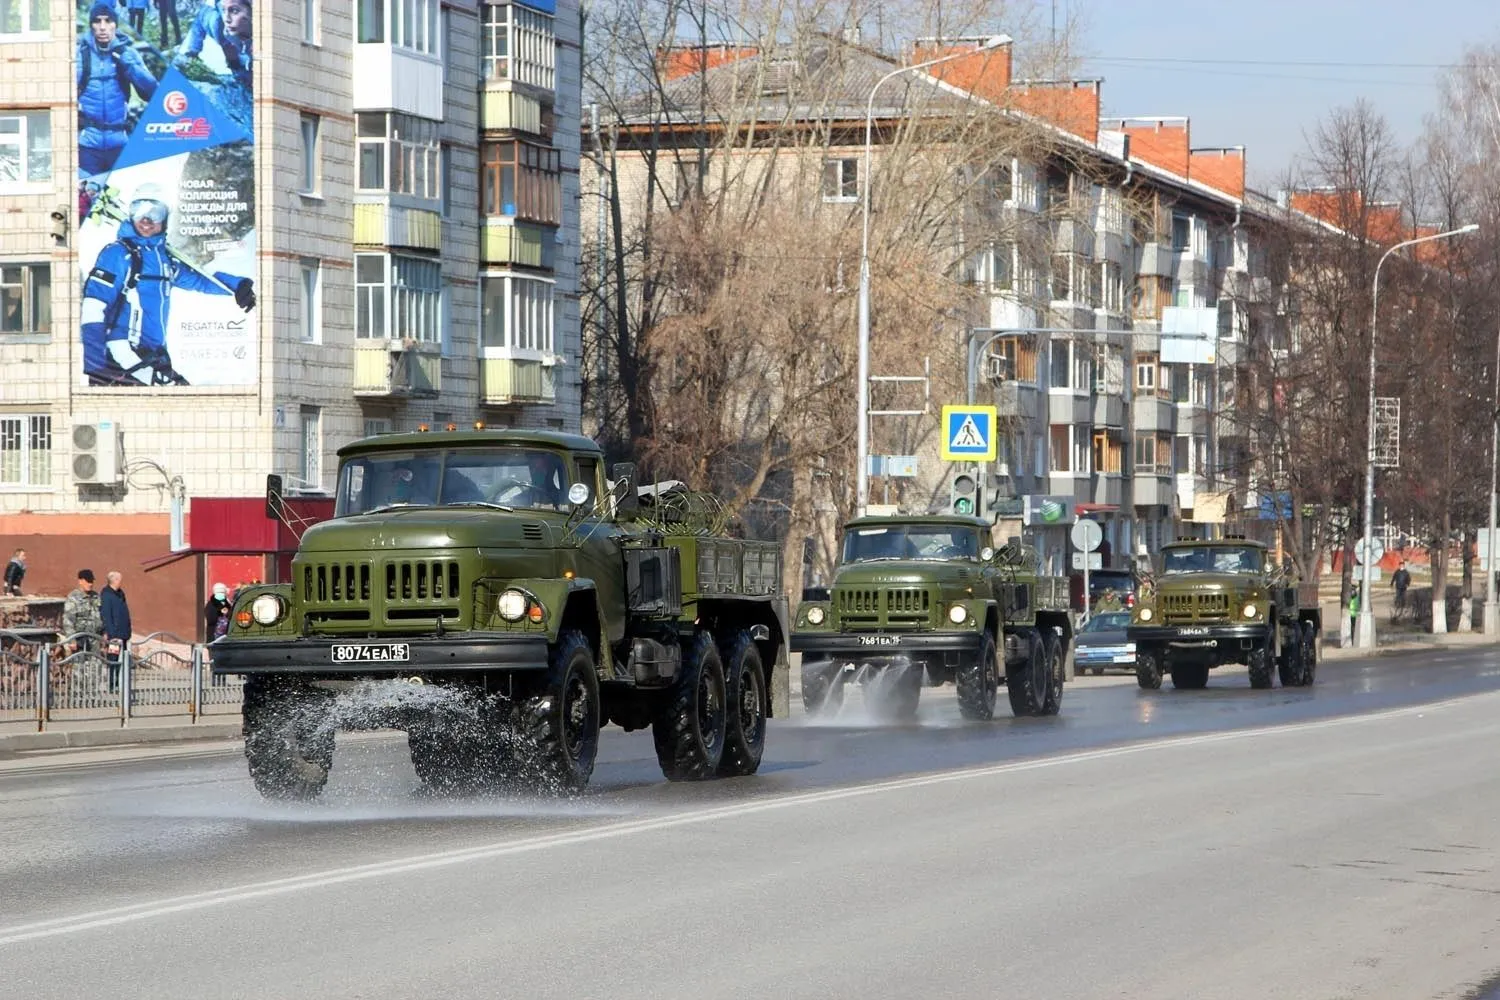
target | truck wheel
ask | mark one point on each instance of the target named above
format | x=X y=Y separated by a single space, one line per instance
x=900 y=691
x=978 y=683
x=1261 y=667
x=822 y=687
x=560 y=721
x=689 y=727
x=1148 y=669
x=1056 y=668
x=287 y=744
x=1026 y=682
x=1290 y=666
x=1309 y=653
x=1190 y=676
x=745 y=696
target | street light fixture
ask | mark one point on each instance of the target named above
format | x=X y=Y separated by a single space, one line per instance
x=1364 y=631
x=862 y=470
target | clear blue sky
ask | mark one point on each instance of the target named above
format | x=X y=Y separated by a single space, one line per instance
x=1270 y=108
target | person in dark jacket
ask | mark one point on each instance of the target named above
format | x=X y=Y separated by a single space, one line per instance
x=117 y=630
x=216 y=619
x=108 y=69
x=14 y=571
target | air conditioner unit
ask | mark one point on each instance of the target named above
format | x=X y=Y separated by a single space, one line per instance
x=999 y=368
x=98 y=453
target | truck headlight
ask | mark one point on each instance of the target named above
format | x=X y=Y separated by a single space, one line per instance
x=816 y=616
x=267 y=609
x=1145 y=614
x=512 y=605
x=1250 y=611
x=958 y=614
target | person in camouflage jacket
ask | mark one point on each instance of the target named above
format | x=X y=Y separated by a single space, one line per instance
x=81 y=610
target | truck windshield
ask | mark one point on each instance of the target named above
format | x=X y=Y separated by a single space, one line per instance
x=1211 y=559
x=910 y=541
x=511 y=477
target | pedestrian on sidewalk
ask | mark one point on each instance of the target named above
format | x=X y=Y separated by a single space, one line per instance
x=1354 y=612
x=216 y=619
x=14 y=571
x=1400 y=580
x=117 y=631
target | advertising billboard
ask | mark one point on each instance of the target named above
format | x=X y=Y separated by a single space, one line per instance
x=166 y=193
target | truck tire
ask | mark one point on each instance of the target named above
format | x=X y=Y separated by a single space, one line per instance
x=745 y=701
x=1026 y=682
x=1309 y=653
x=559 y=721
x=978 y=683
x=900 y=690
x=289 y=749
x=1290 y=666
x=689 y=726
x=1056 y=673
x=1148 y=669
x=1261 y=667
x=466 y=755
x=1190 y=676
x=822 y=687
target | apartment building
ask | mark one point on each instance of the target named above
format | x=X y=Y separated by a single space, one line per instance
x=236 y=243
x=1112 y=329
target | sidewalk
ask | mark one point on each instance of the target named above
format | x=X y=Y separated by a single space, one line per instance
x=108 y=732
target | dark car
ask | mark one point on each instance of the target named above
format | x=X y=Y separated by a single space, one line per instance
x=1101 y=644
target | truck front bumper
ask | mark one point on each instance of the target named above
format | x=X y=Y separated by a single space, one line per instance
x=1195 y=635
x=382 y=657
x=874 y=645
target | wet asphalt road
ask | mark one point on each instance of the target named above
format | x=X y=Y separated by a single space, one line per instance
x=1120 y=849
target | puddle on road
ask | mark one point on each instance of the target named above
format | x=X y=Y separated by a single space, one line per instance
x=864 y=695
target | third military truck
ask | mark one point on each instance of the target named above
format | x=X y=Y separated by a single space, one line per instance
x=923 y=600
x=491 y=593
x=1222 y=601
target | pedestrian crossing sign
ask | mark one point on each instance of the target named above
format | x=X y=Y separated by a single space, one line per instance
x=969 y=434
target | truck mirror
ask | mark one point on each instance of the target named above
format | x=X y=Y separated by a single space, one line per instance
x=623 y=474
x=274 y=502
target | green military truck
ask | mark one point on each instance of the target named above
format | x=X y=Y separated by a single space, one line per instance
x=493 y=595
x=922 y=600
x=1218 y=602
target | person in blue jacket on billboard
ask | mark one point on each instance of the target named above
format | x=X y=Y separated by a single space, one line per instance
x=227 y=23
x=107 y=70
x=127 y=297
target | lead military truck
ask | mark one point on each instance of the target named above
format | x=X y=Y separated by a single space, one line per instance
x=923 y=600
x=493 y=595
x=1219 y=602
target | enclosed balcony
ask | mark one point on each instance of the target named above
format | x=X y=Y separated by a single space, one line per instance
x=381 y=223
x=515 y=243
x=385 y=369
x=503 y=381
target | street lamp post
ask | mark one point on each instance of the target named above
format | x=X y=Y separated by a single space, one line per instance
x=1491 y=608
x=862 y=460
x=1364 y=632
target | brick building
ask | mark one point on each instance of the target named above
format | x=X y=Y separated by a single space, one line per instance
x=370 y=222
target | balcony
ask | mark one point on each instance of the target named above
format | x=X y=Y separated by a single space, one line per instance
x=1016 y=399
x=1152 y=489
x=1067 y=407
x=1153 y=413
x=1069 y=484
x=387 y=369
x=1073 y=236
x=1108 y=489
x=385 y=225
x=1157 y=260
x=504 y=110
x=1108 y=410
x=1189 y=269
x=392 y=78
x=503 y=381
x=514 y=243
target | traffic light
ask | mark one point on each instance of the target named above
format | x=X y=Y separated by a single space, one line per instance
x=963 y=494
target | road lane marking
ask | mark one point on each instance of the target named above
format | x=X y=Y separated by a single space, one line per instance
x=115 y=916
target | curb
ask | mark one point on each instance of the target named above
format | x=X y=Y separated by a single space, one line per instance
x=84 y=738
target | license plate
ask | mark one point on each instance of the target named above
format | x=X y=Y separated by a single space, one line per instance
x=1192 y=630
x=371 y=652
x=880 y=640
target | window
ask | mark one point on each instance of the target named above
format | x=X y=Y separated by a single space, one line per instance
x=1021 y=351
x=1062 y=277
x=841 y=179
x=377 y=425
x=309 y=161
x=1001 y=183
x=310 y=21
x=516 y=314
x=414 y=25
x=522 y=181
x=371 y=20
x=1092 y=281
x=1062 y=448
x=1109 y=454
x=412 y=166
x=26 y=450
x=519 y=44
x=1145 y=375
x=445 y=19
x=311 y=472
x=1057 y=374
x=408 y=306
x=1083 y=368
x=997 y=267
x=1111 y=215
x=1055 y=183
x=1182 y=232
x=1112 y=294
x=1145 y=455
x=24 y=17
x=445 y=182
x=309 y=304
x=25 y=298
x=25 y=147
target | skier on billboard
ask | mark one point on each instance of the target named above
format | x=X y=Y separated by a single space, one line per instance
x=127 y=297
x=108 y=70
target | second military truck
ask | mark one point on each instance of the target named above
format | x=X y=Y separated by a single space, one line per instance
x=922 y=600
x=493 y=595
x=1219 y=602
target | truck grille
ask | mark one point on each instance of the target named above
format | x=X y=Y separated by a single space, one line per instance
x=421 y=580
x=364 y=592
x=336 y=583
x=1179 y=608
x=903 y=607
